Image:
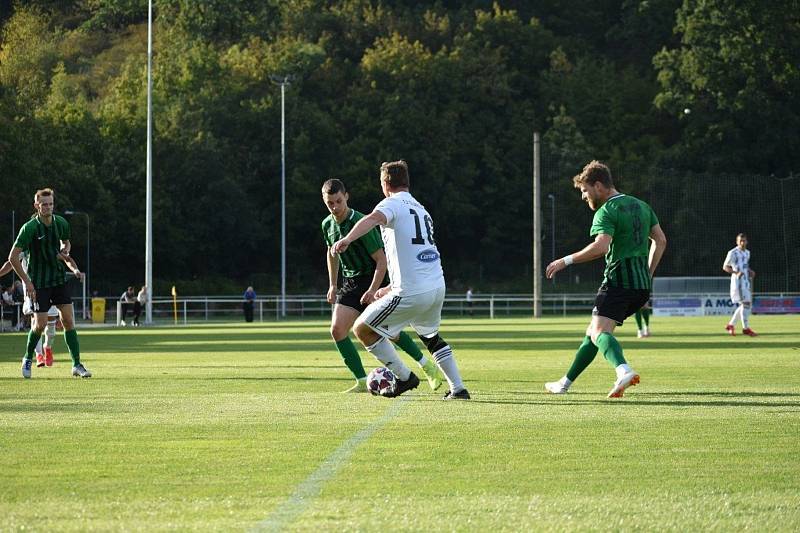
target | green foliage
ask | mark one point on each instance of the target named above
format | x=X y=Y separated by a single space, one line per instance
x=736 y=70
x=455 y=88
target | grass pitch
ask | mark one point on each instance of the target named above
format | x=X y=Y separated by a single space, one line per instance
x=234 y=427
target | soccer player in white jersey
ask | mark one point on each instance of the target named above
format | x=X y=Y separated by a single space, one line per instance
x=416 y=291
x=737 y=264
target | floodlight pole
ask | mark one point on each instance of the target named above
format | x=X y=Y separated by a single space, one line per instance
x=86 y=284
x=283 y=81
x=552 y=230
x=148 y=253
x=537 y=228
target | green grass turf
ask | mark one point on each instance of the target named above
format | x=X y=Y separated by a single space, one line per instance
x=220 y=427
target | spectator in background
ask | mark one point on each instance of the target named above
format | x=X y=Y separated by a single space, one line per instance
x=469 y=301
x=19 y=291
x=128 y=300
x=9 y=306
x=249 y=300
x=141 y=301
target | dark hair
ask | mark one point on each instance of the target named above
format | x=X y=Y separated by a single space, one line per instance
x=332 y=186
x=593 y=172
x=395 y=174
x=43 y=192
x=742 y=235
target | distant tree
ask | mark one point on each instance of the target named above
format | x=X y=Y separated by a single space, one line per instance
x=737 y=75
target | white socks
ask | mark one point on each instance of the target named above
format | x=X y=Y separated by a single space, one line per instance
x=745 y=317
x=622 y=369
x=447 y=363
x=736 y=315
x=565 y=382
x=49 y=334
x=384 y=352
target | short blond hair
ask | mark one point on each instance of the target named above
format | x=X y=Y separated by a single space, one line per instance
x=395 y=174
x=593 y=172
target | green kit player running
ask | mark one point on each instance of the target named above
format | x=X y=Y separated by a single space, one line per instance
x=45 y=238
x=642 y=317
x=623 y=227
x=363 y=268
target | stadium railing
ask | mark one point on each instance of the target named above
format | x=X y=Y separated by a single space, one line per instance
x=268 y=309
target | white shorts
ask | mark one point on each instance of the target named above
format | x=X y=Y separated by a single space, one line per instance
x=389 y=315
x=27 y=309
x=740 y=290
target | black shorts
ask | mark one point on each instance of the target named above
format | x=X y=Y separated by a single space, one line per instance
x=618 y=304
x=352 y=290
x=48 y=296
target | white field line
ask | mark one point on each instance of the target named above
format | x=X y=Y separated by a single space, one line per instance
x=307 y=491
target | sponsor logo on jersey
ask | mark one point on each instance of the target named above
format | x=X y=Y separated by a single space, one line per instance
x=428 y=256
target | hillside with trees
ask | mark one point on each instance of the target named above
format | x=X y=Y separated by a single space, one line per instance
x=454 y=88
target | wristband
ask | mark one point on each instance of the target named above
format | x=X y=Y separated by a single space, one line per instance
x=568 y=260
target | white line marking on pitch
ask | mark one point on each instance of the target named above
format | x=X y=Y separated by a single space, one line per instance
x=307 y=491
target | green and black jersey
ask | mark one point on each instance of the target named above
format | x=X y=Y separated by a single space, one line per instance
x=42 y=244
x=357 y=259
x=628 y=221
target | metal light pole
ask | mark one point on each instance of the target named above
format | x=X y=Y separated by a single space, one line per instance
x=86 y=284
x=552 y=230
x=283 y=81
x=537 y=227
x=148 y=253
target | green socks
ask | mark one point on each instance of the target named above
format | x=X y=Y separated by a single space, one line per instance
x=33 y=340
x=611 y=349
x=583 y=358
x=638 y=316
x=71 y=337
x=407 y=344
x=646 y=314
x=351 y=358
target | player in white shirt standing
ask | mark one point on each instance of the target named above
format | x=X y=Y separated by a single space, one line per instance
x=737 y=264
x=416 y=291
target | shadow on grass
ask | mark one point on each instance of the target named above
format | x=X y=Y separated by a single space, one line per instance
x=725 y=399
x=631 y=401
x=258 y=365
x=27 y=407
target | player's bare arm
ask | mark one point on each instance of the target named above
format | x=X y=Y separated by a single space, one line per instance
x=377 y=277
x=73 y=266
x=16 y=262
x=359 y=230
x=333 y=275
x=597 y=248
x=63 y=252
x=657 y=247
x=6 y=268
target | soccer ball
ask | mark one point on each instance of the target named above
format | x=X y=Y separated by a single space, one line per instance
x=381 y=382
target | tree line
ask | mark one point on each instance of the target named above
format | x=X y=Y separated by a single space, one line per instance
x=454 y=88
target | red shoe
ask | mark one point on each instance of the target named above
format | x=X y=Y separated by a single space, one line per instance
x=48 y=356
x=731 y=329
x=39 y=360
x=749 y=332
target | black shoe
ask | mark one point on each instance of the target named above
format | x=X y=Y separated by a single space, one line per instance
x=463 y=394
x=402 y=386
